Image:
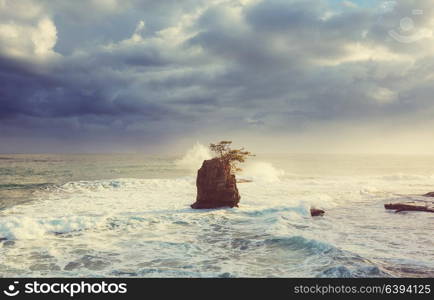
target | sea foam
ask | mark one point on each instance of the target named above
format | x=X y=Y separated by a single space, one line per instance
x=193 y=158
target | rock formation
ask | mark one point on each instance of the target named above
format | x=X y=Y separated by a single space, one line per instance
x=411 y=206
x=216 y=186
x=430 y=194
x=314 y=212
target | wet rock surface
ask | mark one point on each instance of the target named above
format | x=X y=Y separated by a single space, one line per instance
x=314 y=212
x=216 y=186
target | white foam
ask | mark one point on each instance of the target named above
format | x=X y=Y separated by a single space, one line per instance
x=263 y=171
x=131 y=221
x=86 y=205
x=193 y=158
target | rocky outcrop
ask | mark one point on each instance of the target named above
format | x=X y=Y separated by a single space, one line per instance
x=216 y=186
x=430 y=194
x=410 y=206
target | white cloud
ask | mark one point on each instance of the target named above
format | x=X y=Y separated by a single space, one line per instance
x=27 y=41
x=349 y=4
x=27 y=32
x=22 y=10
x=44 y=37
x=383 y=95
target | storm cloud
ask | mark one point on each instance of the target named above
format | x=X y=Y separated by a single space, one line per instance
x=101 y=75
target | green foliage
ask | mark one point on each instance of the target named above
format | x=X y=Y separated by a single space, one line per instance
x=230 y=157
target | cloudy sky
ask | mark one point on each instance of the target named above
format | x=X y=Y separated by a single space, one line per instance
x=274 y=75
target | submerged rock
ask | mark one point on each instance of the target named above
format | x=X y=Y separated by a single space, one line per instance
x=8 y=243
x=216 y=186
x=44 y=267
x=337 y=272
x=314 y=212
x=72 y=265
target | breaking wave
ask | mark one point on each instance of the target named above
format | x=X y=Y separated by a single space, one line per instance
x=193 y=158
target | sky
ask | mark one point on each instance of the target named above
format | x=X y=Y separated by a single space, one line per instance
x=324 y=76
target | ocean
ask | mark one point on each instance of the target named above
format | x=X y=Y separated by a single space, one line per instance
x=128 y=215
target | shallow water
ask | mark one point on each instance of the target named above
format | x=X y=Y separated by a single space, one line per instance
x=129 y=215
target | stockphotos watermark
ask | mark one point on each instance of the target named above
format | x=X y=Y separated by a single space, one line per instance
x=70 y=289
x=407 y=32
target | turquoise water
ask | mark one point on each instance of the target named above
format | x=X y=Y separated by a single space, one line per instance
x=129 y=215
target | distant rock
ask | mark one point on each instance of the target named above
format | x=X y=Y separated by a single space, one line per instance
x=430 y=194
x=410 y=206
x=314 y=212
x=216 y=186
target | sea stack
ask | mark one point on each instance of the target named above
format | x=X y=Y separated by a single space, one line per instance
x=216 y=185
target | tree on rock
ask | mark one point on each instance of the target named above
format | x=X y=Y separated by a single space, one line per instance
x=230 y=157
x=215 y=182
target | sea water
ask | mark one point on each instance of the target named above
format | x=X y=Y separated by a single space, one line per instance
x=129 y=215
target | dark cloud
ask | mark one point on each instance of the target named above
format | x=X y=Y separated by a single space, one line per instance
x=124 y=71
